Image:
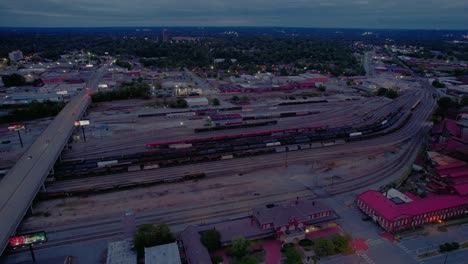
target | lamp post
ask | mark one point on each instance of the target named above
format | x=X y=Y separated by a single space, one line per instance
x=17 y=128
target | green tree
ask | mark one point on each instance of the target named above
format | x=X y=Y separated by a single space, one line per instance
x=211 y=239
x=239 y=247
x=149 y=235
x=13 y=80
x=438 y=84
x=215 y=102
x=445 y=103
x=322 y=88
x=324 y=247
x=382 y=91
x=464 y=100
x=247 y=260
x=341 y=243
x=235 y=98
x=293 y=256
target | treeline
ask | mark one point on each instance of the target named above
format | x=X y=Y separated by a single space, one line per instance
x=14 y=80
x=389 y=93
x=33 y=111
x=123 y=64
x=125 y=91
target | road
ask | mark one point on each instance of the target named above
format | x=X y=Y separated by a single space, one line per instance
x=206 y=88
x=19 y=187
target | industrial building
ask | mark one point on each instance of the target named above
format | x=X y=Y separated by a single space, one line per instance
x=163 y=254
x=394 y=213
x=16 y=55
x=196 y=101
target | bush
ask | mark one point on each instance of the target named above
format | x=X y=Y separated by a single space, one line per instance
x=324 y=247
x=293 y=256
x=216 y=259
x=306 y=242
x=125 y=91
x=13 y=80
x=211 y=239
x=149 y=235
x=239 y=247
x=215 y=102
x=438 y=84
x=33 y=111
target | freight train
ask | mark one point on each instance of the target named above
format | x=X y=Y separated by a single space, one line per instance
x=172 y=153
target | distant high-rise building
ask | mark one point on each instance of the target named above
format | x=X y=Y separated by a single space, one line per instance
x=165 y=35
x=16 y=55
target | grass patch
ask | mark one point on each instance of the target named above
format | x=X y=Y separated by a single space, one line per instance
x=442 y=229
x=464 y=245
x=428 y=254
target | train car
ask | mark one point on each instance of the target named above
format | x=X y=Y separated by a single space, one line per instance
x=416 y=105
x=101 y=164
x=355 y=134
x=225 y=157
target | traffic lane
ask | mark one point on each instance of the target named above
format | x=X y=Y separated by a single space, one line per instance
x=454 y=257
x=421 y=243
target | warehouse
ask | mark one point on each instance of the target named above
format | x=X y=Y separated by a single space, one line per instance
x=196 y=101
x=395 y=214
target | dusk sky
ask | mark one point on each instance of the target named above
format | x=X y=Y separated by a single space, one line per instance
x=410 y=14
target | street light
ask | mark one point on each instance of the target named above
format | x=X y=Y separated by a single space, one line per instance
x=17 y=128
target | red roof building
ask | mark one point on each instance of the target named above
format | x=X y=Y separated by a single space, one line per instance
x=395 y=215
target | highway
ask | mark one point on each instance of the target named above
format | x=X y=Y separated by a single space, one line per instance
x=19 y=187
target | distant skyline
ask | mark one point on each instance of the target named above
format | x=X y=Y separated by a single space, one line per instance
x=378 y=14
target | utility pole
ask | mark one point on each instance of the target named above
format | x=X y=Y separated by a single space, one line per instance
x=21 y=140
x=84 y=135
x=17 y=128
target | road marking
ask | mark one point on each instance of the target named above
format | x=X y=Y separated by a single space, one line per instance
x=365 y=257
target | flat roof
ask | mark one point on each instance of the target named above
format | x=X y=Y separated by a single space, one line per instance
x=391 y=211
x=120 y=252
x=163 y=254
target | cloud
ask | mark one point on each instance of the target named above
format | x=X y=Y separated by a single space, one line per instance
x=305 y=13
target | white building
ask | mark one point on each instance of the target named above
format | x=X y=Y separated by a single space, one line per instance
x=163 y=254
x=16 y=55
x=196 y=101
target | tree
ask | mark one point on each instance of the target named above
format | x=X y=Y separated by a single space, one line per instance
x=239 y=247
x=324 y=247
x=235 y=98
x=247 y=260
x=438 y=84
x=13 y=80
x=293 y=256
x=215 y=102
x=445 y=103
x=341 y=243
x=464 y=100
x=149 y=235
x=283 y=72
x=322 y=88
x=382 y=91
x=211 y=239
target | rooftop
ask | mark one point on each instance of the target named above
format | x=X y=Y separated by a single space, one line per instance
x=391 y=211
x=163 y=254
x=120 y=252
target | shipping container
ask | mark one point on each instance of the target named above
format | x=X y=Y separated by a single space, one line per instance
x=227 y=157
x=273 y=144
x=180 y=145
x=355 y=134
x=134 y=168
x=101 y=164
x=150 y=167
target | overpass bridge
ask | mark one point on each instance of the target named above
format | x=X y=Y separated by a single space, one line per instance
x=21 y=184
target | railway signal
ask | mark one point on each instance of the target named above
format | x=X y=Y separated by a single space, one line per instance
x=17 y=128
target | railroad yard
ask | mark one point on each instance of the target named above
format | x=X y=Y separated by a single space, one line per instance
x=154 y=162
